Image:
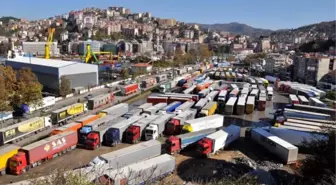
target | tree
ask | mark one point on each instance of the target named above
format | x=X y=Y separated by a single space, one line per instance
x=331 y=95
x=4 y=96
x=65 y=86
x=125 y=73
x=205 y=53
x=29 y=89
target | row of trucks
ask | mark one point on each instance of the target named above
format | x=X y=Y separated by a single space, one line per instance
x=63 y=139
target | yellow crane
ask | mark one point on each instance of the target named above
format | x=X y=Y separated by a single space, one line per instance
x=51 y=32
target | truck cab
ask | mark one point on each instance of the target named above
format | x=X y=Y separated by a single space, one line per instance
x=92 y=140
x=83 y=133
x=152 y=132
x=133 y=134
x=173 y=145
x=18 y=163
x=111 y=137
x=204 y=146
x=173 y=127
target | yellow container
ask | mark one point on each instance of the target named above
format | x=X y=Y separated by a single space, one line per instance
x=7 y=152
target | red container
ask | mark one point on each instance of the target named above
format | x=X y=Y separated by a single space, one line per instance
x=129 y=89
x=155 y=99
x=46 y=148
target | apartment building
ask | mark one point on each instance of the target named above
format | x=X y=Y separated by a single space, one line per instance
x=310 y=70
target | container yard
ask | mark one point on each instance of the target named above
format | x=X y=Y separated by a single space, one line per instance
x=207 y=118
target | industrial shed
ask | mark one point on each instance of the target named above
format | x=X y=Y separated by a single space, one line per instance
x=50 y=71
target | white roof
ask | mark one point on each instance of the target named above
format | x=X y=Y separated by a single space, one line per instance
x=45 y=62
x=275 y=139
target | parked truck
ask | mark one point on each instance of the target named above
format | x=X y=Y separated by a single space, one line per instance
x=76 y=125
x=155 y=129
x=230 y=105
x=165 y=87
x=24 y=129
x=137 y=111
x=218 y=140
x=141 y=172
x=240 y=108
x=203 y=93
x=157 y=99
x=34 y=154
x=296 y=137
x=262 y=103
x=116 y=134
x=198 y=124
x=250 y=104
x=185 y=106
x=101 y=122
x=154 y=109
x=170 y=108
x=174 y=144
x=208 y=110
x=189 y=89
x=6 y=152
x=61 y=116
x=116 y=110
x=129 y=89
x=284 y=150
x=129 y=155
x=100 y=100
x=200 y=104
x=175 y=125
x=136 y=132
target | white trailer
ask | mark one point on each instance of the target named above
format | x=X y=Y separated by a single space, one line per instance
x=212 y=95
x=245 y=91
x=200 y=104
x=46 y=102
x=316 y=102
x=284 y=150
x=229 y=106
x=198 y=124
x=303 y=100
x=116 y=110
x=250 y=104
x=185 y=106
x=254 y=92
x=154 y=109
x=222 y=96
x=240 y=108
x=296 y=137
x=155 y=129
x=189 y=90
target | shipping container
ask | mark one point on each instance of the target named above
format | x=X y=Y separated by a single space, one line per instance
x=137 y=111
x=284 y=150
x=245 y=91
x=100 y=100
x=230 y=105
x=212 y=95
x=323 y=110
x=7 y=152
x=174 y=144
x=203 y=93
x=250 y=104
x=129 y=155
x=208 y=110
x=34 y=154
x=24 y=129
x=255 y=93
x=116 y=110
x=129 y=89
x=198 y=124
x=62 y=115
x=292 y=113
x=189 y=90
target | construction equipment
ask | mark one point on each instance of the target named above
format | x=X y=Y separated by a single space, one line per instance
x=51 y=32
x=90 y=57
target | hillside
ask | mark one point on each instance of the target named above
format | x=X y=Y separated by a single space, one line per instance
x=6 y=19
x=318 y=31
x=237 y=28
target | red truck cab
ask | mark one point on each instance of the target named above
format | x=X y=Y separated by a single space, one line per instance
x=133 y=134
x=92 y=141
x=173 y=127
x=173 y=145
x=18 y=163
x=204 y=146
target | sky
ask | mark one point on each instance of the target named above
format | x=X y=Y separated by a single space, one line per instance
x=270 y=14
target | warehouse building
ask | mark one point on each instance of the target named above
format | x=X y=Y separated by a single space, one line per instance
x=50 y=71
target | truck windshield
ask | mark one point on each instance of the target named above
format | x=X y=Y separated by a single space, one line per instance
x=90 y=140
x=14 y=163
x=149 y=132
